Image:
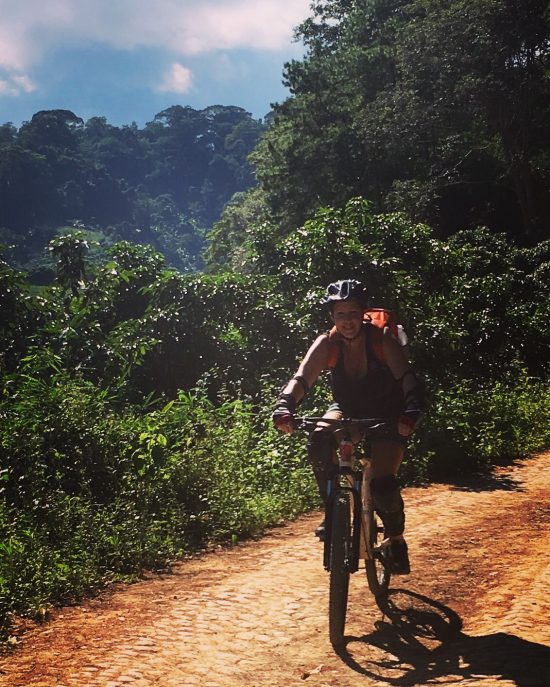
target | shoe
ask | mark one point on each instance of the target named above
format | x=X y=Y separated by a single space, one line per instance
x=320 y=531
x=399 y=558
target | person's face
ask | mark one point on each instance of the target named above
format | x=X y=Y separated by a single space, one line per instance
x=347 y=317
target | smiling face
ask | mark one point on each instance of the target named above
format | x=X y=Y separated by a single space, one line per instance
x=347 y=317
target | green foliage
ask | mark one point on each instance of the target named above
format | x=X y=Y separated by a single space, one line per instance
x=475 y=424
x=156 y=330
x=89 y=492
x=17 y=315
x=229 y=246
x=70 y=250
x=134 y=416
x=164 y=184
x=437 y=108
x=474 y=305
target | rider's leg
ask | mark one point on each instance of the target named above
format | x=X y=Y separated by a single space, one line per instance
x=321 y=450
x=386 y=460
x=388 y=502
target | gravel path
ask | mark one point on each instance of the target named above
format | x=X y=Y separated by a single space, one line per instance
x=475 y=609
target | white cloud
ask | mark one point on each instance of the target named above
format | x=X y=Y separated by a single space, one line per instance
x=177 y=80
x=30 y=28
x=16 y=84
x=263 y=25
x=23 y=82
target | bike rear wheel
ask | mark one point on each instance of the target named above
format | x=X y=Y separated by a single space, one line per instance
x=376 y=563
x=341 y=545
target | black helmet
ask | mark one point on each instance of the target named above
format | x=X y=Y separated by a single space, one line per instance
x=344 y=290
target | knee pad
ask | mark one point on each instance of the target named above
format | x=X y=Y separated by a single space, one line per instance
x=320 y=449
x=388 y=503
x=386 y=494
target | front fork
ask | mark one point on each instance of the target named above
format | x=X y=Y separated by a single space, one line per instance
x=350 y=480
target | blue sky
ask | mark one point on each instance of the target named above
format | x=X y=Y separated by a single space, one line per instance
x=127 y=60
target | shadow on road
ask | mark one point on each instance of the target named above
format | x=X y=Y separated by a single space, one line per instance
x=487 y=482
x=420 y=640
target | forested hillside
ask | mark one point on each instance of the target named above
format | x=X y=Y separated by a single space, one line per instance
x=438 y=108
x=136 y=398
x=164 y=184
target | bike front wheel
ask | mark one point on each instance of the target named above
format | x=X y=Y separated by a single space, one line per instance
x=377 y=563
x=341 y=546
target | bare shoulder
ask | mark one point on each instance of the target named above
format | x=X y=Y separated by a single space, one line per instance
x=389 y=341
x=319 y=348
x=316 y=359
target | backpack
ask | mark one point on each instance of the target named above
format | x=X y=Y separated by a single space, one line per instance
x=381 y=319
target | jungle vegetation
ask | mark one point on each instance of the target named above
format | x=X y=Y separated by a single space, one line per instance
x=139 y=368
x=164 y=184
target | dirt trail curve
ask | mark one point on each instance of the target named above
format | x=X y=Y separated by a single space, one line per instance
x=475 y=610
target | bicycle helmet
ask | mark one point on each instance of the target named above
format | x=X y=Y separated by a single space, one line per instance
x=344 y=290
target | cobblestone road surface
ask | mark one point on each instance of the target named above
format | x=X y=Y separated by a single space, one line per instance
x=474 y=611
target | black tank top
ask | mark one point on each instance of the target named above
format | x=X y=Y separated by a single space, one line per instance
x=377 y=394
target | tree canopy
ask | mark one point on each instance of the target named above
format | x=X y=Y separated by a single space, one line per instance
x=435 y=107
x=164 y=184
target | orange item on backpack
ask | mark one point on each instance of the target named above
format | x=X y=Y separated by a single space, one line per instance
x=380 y=318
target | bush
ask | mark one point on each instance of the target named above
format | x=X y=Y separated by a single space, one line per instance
x=92 y=493
x=472 y=426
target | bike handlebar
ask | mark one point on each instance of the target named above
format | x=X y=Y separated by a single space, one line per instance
x=371 y=423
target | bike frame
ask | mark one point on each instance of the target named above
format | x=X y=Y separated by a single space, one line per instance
x=357 y=482
x=349 y=522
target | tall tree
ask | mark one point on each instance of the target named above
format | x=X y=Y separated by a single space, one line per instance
x=433 y=106
x=164 y=184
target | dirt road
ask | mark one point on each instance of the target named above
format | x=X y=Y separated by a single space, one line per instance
x=475 y=609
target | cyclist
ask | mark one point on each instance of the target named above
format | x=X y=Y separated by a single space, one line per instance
x=371 y=377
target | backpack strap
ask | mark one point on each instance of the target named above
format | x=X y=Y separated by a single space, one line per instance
x=375 y=345
x=334 y=348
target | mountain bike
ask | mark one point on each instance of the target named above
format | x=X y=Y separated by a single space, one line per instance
x=352 y=529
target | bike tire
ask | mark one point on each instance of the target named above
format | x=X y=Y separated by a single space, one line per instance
x=340 y=555
x=376 y=564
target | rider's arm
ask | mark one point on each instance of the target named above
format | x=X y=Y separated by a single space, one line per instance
x=314 y=362
x=403 y=372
